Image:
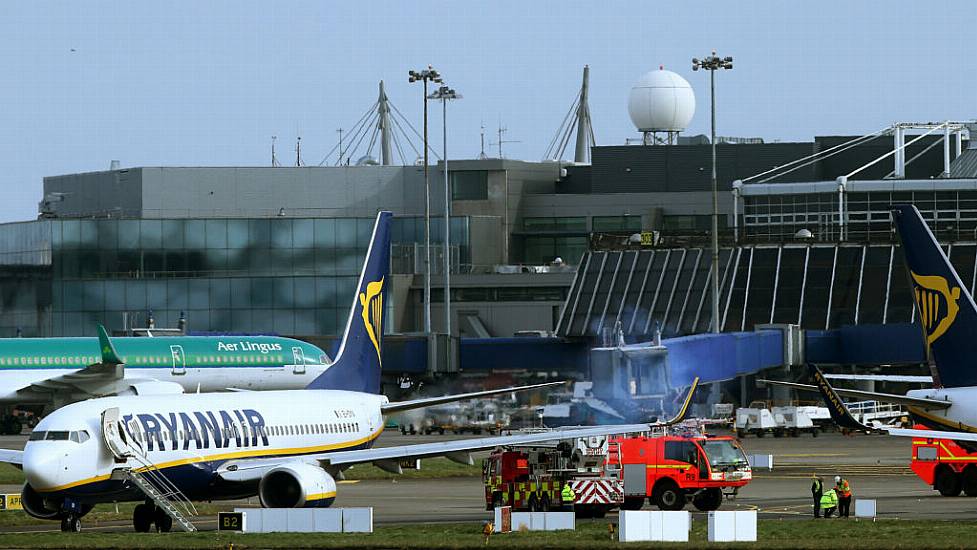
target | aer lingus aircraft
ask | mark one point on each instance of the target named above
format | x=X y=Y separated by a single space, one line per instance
x=286 y=447
x=948 y=317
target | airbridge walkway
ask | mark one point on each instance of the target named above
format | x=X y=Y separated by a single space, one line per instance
x=713 y=357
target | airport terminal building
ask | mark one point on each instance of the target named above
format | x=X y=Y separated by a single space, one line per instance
x=277 y=249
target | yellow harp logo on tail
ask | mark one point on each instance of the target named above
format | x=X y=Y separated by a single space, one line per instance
x=937 y=304
x=372 y=306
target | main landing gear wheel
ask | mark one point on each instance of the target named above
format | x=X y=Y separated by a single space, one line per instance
x=164 y=523
x=142 y=517
x=71 y=523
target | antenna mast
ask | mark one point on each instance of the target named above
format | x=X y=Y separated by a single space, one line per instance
x=298 y=151
x=274 y=157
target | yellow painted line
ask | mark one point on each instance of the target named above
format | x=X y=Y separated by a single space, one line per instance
x=347 y=481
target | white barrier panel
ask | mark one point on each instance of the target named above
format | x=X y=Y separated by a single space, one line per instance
x=520 y=521
x=732 y=526
x=865 y=508
x=308 y=520
x=558 y=521
x=675 y=526
x=357 y=520
x=633 y=526
x=654 y=526
x=541 y=521
x=760 y=461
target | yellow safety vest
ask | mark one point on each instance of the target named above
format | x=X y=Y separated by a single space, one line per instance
x=567 y=494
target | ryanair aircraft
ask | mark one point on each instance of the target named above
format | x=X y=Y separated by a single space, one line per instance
x=286 y=447
x=948 y=318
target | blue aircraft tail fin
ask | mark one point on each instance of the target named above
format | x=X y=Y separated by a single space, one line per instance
x=945 y=308
x=359 y=359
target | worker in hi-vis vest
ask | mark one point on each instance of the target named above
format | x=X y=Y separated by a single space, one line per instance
x=567 y=496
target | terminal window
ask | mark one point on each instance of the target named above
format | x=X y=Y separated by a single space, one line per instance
x=617 y=223
x=469 y=185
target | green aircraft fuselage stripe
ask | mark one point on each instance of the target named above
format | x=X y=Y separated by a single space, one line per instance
x=193 y=351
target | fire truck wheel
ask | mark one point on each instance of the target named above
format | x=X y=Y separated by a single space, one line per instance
x=534 y=504
x=947 y=482
x=668 y=496
x=708 y=500
x=497 y=500
x=970 y=481
x=545 y=504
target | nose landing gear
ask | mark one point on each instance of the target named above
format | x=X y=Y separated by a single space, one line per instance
x=71 y=523
x=71 y=513
x=144 y=516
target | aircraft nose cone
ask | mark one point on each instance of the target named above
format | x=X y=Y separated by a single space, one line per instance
x=43 y=467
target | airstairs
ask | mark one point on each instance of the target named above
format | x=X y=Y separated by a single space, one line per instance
x=136 y=469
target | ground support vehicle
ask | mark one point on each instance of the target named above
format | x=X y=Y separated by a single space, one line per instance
x=532 y=477
x=670 y=470
x=755 y=419
x=792 y=420
x=944 y=465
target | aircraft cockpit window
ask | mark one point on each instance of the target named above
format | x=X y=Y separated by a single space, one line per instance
x=56 y=435
x=79 y=436
x=37 y=436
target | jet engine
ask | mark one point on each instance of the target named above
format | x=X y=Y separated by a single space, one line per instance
x=297 y=485
x=37 y=506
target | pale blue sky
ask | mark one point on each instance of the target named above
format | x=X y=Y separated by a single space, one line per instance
x=207 y=83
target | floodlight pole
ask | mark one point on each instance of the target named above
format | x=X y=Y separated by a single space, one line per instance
x=712 y=64
x=426 y=75
x=445 y=93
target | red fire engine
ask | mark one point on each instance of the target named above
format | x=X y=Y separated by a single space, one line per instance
x=670 y=470
x=944 y=465
x=532 y=477
x=666 y=469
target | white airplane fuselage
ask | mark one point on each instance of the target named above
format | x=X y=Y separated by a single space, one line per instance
x=189 y=438
x=960 y=415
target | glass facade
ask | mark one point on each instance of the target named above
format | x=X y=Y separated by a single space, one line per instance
x=820 y=286
x=951 y=214
x=285 y=276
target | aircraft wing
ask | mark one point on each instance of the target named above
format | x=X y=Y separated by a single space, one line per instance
x=458 y=449
x=12 y=457
x=931 y=434
x=103 y=378
x=869 y=395
x=882 y=378
x=398 y=406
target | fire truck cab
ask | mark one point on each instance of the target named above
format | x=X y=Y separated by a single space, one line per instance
x=670 y=470
x=944 y=465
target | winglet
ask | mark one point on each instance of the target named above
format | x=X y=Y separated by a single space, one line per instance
x=839 y=412
x=680 y=416
x=109 y=355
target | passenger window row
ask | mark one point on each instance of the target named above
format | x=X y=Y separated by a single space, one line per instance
x=261 y=431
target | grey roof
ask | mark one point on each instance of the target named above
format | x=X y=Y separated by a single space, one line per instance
x=965 y=166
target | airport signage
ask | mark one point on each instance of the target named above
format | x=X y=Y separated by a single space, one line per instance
x=230 y=521
x=11 y=502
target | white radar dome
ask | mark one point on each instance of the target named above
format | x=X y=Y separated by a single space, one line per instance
x=661 y=101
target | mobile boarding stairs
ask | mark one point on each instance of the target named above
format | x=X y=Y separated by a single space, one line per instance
x=135 y=468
